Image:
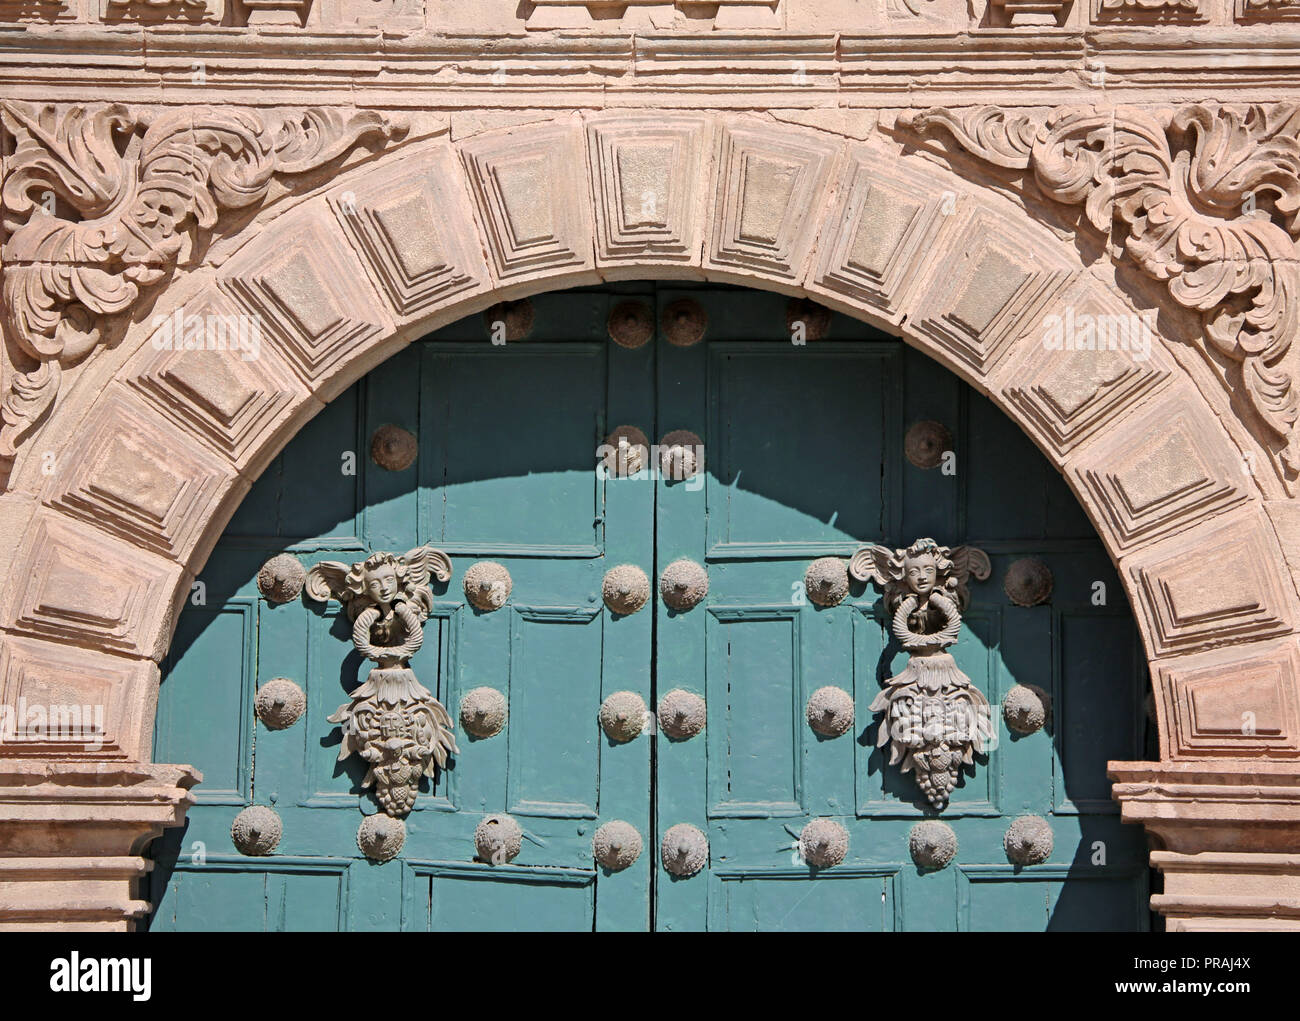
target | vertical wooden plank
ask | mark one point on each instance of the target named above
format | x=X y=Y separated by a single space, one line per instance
x=623 y=898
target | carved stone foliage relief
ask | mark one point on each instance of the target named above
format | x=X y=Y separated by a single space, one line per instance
x=1206 y=201
x=102 y=203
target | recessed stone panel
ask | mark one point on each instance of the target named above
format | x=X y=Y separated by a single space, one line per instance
x=1082 y=364
x=415 y=231
x=1238 y=701
x=81 y=586
x=1219 y=584
x=988 y=290
x=310 y=296
x=232 y=403
x=645 y=181
x=70 y=703
x=1157 y=475
x=879 y=232
x=771 y=188
x=530 y=200
x=129 y=475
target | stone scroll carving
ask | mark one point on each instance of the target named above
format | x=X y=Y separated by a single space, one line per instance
x=935 y=718
x=392 y=720
x=100 y=203
x=1207 y=202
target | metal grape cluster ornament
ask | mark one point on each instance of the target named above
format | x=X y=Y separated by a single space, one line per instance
x=392 y=720
x=935 y=718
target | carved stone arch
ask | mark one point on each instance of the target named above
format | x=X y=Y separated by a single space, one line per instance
x=104 y=547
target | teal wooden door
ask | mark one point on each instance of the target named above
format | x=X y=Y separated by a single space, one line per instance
x=805 y=459
x=802 y=450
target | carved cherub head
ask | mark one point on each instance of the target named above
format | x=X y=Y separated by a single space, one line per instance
x=924 y=567
x=381 y=580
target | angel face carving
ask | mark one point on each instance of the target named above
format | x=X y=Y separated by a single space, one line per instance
x=934 y=720
x=392 y=721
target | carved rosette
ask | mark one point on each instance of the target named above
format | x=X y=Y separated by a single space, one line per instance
x=392 y=721
x=101 y=203
x=1206 y=201
x=935 y=720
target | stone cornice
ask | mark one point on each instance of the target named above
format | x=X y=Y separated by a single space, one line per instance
x=435 y=70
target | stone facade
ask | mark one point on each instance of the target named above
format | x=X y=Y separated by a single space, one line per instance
x=968 y=176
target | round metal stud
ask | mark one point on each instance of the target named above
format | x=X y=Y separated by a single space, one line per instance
x=683 y=584
x=681 y=455
x=487 y=585
x=393 y=448
x=483 y=712
x=279 y=703
x=681 y=714
x=932 y=844
x=623 y=716
x=1026 y=707
x=926 y=442
x=827 y=581
x=380 y=837
x=256 y=830
x=281 y=578
x=1028 y=582
x=830 y=711
x=616 y=845
x=816 y=319
x=1028 y=840
x=684 y=322
x=625 y=589
x=626 y=452
x=684 y=850
x=515 y=316
x=497 y=839
x=823 y=843
x=631 y=324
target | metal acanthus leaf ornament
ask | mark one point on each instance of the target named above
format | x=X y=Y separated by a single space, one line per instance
x=392 y=721
x=935 y=720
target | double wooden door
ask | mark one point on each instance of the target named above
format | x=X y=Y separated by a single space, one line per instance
x=800 y=448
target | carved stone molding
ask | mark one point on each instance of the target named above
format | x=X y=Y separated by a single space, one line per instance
x=75 y=836
x=1205 y=201
x=102 y=203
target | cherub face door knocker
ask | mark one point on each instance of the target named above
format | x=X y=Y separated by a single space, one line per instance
x=935 y=718
x=392 y=720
